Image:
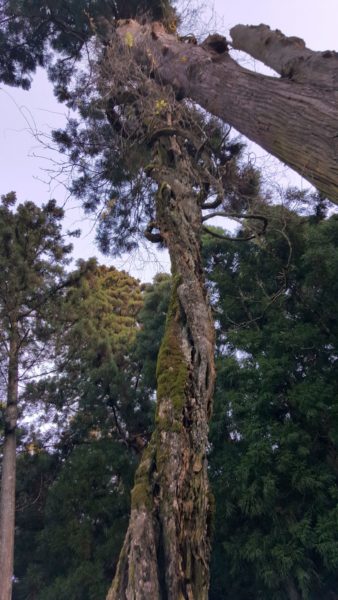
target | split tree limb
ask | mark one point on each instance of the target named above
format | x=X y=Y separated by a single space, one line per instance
x=288 y=56
x=291 y=118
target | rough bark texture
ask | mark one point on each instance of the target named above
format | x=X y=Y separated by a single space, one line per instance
x=166 y=551
x=7 y=493
x=294 y=117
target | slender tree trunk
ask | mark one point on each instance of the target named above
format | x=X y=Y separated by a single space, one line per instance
x=7 y=492
x=167 y=546
x=294 y=117
x=292 y=590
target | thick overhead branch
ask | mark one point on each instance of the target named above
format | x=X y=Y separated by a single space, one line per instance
x=294 y=117
x=288 y=56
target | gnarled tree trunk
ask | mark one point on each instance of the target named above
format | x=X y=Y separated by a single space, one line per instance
x=7 y=492
x=294 y=117
x=167 y=546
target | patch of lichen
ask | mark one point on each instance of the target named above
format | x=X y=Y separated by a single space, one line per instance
x=168 y=425
x=172 y=368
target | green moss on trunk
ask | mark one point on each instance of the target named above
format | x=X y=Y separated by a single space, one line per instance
x=172 y=368
x=141 y=495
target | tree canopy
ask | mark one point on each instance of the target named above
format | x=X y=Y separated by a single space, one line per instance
x=300 y=136
x=32 y=259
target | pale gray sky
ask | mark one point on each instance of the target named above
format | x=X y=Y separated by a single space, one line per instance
x=23 y=160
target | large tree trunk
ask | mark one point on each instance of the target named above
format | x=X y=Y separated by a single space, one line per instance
x=294 y=117
x=7 y=492
x=167 y=546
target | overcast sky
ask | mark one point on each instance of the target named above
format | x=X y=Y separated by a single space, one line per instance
x=21 y=113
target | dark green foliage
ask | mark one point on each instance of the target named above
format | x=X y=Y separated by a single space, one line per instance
x=31 y=240
x=29 y=30
x=110 y=139
x=36 y=471
x=33 y=254
x=152 y=316
x=84 y=519
x=273 y=459
x=104 y=396
x=274 y=433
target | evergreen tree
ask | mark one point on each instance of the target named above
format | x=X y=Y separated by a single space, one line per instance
x=32 y=258
x=93 y=360
x=156 y=164
x=274 y=433
x=75 y=498
x=102 y=398
x=28 y=32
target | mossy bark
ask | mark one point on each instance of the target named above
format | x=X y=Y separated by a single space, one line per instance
x=167 y=546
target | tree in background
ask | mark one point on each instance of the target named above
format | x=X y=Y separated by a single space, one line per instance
x=273 y=461
x=33 y=254
x=273 y=435
x=93 y=363
x=74 y=500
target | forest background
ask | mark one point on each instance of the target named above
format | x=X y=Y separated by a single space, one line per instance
x=276 y=446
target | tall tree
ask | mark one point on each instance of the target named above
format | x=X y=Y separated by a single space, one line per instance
x=123 y=108
x=32 y=256
x=273 y=441
x=274 y=437
x=147 y=161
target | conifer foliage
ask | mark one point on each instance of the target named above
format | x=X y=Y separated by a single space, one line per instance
x=274 y=433
x=74 y=496
x=32 y=258
x=273 y=440
x=154 y=165
x=29 y=30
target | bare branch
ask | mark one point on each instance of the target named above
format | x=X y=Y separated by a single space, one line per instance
x=231 y=215
x=224 y=237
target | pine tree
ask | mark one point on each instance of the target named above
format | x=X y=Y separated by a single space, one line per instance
x=273 y=437
x=141 y=148
x=238 y=97
x=32 y=258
